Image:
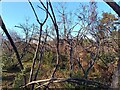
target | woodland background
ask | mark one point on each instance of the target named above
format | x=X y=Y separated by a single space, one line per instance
x=59 y=55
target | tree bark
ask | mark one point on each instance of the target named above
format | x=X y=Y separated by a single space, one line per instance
x=114 y=6
x=11 y=42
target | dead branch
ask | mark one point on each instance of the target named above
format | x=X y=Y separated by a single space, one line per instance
x=73 y=80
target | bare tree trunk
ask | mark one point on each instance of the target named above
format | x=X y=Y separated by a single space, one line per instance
x=13 y=45
x=114 y=6
x=11 y=41
x=119 y=55
x=35 y=55
x=0 y=61
x=71 y=58
x=115 y=79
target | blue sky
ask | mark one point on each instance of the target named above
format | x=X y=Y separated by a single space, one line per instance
x=14 y=13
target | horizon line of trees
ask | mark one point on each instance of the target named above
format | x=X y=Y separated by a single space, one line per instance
x=79 y=55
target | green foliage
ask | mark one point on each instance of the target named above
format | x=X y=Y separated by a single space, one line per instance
x=19 y=79
x=77 y=74
x=18 y=82
x=73 y=85
x=68 y=85
x=108 y=57
x=63 y=63
x=8 y=62
x=26 y=69
x=63 y=57
x=28 y=56
x=47 y=57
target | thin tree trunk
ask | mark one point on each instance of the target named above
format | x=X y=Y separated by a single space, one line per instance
x=71 y=58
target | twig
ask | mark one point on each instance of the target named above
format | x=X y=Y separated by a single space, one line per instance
x=34 y=11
